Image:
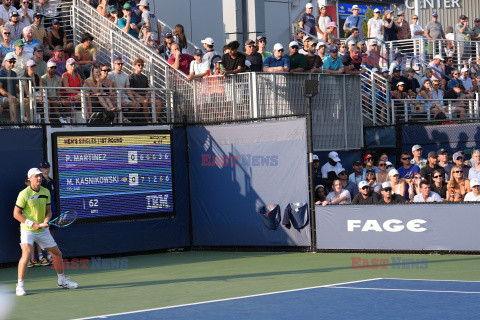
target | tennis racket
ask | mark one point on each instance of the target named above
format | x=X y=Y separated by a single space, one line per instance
x=64 y=220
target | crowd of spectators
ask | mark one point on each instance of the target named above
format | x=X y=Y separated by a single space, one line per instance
x=434 y=179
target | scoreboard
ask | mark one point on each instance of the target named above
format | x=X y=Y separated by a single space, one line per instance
x=114 y=175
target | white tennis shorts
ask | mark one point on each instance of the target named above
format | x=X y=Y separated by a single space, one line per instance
x=43 y=238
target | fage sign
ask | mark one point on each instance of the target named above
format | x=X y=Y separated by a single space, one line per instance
x=390 y=225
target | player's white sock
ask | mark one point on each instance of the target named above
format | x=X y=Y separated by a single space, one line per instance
x=21 y=282
x=49 y=256
x=40 y=256
x=61 y=277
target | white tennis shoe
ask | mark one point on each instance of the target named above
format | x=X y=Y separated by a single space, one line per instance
x=67 y=284
x=20 y=291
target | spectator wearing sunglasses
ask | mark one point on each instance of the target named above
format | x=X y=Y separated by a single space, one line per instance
x=368 y=160
x=408 y=170
x=358 y=173
x=414 y=186
x=427 y=171
x=347 y=184
x=458 y=186
x=52 y=81
x=261 y=44
x=473 y=195
x=298 y=61
x=388 y=197
x=7 y=43
x=371 y=178
x=276 y=62
x=474 y=172
x=14 y=26
x=398 y=186
x=439 y=185
x=365 y=195
x=26 y=14
x=417 y=156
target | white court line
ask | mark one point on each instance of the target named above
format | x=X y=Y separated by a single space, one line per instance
x=408 y=290
x=431 y=280
x=226 y=299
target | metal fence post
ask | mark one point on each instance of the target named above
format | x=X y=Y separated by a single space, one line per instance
x=22 y=101
x=195 y=100
x=344 y=100
x=234 y=92
x=46 y=113
x=253 y=95
x=32 y=102
x=153 y=104
x=119 y=103
x=393 y=111
x=275 y=110
x=374 y=97
x=83 y=103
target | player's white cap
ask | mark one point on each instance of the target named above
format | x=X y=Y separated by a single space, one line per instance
x=33 y=172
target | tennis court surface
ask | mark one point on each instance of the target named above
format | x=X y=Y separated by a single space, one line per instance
x=238 y=285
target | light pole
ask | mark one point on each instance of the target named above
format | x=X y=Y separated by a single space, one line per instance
x=310 y=90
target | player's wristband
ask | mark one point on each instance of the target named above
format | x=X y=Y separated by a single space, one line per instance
x=29 y=223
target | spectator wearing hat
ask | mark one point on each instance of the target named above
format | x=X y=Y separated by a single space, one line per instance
x=412 y=83
x=7 y=43
x=342 y=175
x=473 y=195
x=458 y=160
x=179 y=60
x=57 y=37
x=476 y=30
x=21 y=58
x=14 y=26
x=331 y=35
x=233 y=61
x=58 y=58
x=113 y=14
x=416 y=30
x=434 y=29
x=320 y=194
x=375 y=26
x=398 y=185
x=149 y=19
x=353 y=39
x=438 y=69
x=354 y=21
x=358 y=173
x=401 y=92
x=165 y=50
x=390 y=32
x=389 y=197
x=417 y=156
x=329 y=170
x=322 y=21
x=37 y=82
x=128 y=23
x=316 y=174
x=25 y=14
x=40 y=64
x=86 y=52
x=365 y=195
x=71 y=79
x=466 y=80
x=314 y=61
x=426 y=195
x=261 y=44
x=253 y=56
x=298 y=62
x=276 y=62
x=397 y=77
x=371 y=179
x=28 y=41
x=338 y=195
x=198 y=67
x=52 y=81
x=443 y=159
x=304 y=45
x=403 y=28
x=368 y=161
x=5 y=9
x=439 y=185
x=38 y=32
x=333 y=63
x=398 y=63
x=352 y=61
x=363 y=47
x=427 y=171
x=9 y=87
x=210 y=53
x=307 y=20
x=462 y=33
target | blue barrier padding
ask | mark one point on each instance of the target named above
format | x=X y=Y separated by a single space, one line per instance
x=21 y=149
x=237 y=169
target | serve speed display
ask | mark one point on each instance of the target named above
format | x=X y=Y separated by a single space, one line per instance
x=111 y=176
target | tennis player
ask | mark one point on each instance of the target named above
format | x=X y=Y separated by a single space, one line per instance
x=33 y=211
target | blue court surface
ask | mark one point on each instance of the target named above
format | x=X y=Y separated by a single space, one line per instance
x=365 y=299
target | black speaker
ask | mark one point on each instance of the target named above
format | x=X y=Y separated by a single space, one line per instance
x=310 y=88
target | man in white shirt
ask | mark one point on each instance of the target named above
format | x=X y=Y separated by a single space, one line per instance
x=121 y=80
x=5 y=9
x=149 y=20
x=198 y=67
x=416 y=30
x=466 y=80
x=426 y=195
x=338 y=195
x=333 y=164
x=375 y=26
x=473 y=195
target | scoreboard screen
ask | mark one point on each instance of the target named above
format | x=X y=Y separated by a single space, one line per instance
x=114 y=175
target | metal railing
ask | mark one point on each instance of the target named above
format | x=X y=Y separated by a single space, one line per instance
x=99 y=105
x=410 y=110
x=375 y=98
x=18 y=108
